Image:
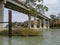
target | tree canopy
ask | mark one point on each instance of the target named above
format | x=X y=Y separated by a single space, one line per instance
x=36 y=7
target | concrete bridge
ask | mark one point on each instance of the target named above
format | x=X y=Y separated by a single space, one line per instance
x=13 y=5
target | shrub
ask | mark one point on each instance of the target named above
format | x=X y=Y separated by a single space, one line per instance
x=22 y=32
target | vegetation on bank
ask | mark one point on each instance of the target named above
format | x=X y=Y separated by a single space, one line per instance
x=55 y=21
x=22 y=32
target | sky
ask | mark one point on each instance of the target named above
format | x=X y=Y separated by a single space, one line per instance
x=53 y=6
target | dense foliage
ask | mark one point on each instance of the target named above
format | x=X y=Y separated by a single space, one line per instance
x=55 y=21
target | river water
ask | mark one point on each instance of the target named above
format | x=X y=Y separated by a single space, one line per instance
x=49 y=37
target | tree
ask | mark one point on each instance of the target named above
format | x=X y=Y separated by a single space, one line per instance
x=33 y=12
x=53 y=19
x=38 y=7
x=41 y=8
x=30 y=3
x=58 y=17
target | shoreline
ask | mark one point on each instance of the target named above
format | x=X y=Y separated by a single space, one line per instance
x=22 y=32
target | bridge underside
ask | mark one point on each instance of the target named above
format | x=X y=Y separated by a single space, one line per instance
x=12 y=6
x=16 y=8
x=22 y=10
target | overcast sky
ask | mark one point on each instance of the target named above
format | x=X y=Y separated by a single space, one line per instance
x=53 y=6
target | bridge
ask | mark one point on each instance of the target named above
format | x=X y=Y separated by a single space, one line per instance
x=14 y=5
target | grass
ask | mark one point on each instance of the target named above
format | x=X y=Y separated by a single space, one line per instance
x=22 y=32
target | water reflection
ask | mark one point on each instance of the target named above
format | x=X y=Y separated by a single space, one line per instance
x=1 y=40
x=9 y=40
x=35 y=41
x=49 y=37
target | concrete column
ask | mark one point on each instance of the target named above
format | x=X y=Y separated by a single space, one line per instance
x=35 y=22
x=44 y=25
x=29 y=22
x=40 y=23
x=48 y=25
x=1 y=14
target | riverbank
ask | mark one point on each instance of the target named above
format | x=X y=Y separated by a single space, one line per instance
x=22 y=32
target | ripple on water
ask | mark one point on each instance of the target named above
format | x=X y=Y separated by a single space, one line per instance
x=49 y=37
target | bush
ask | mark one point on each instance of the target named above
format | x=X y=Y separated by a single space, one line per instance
x=22 y=32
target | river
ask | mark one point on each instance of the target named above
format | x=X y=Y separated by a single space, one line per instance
x=49 y=37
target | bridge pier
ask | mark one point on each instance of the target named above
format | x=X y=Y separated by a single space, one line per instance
x=44 y=24
x=1 y=14
x=29 y=22
x=35 y=22
x=40 y=23
x=48 y=25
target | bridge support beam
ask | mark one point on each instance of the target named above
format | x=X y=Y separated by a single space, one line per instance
x=48 y=25
x=35 y=22
x=1 y=14
x=44 y=25
x=29 y=22
x=40 y=23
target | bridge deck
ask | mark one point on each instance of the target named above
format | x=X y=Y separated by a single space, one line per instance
x=20 y=8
